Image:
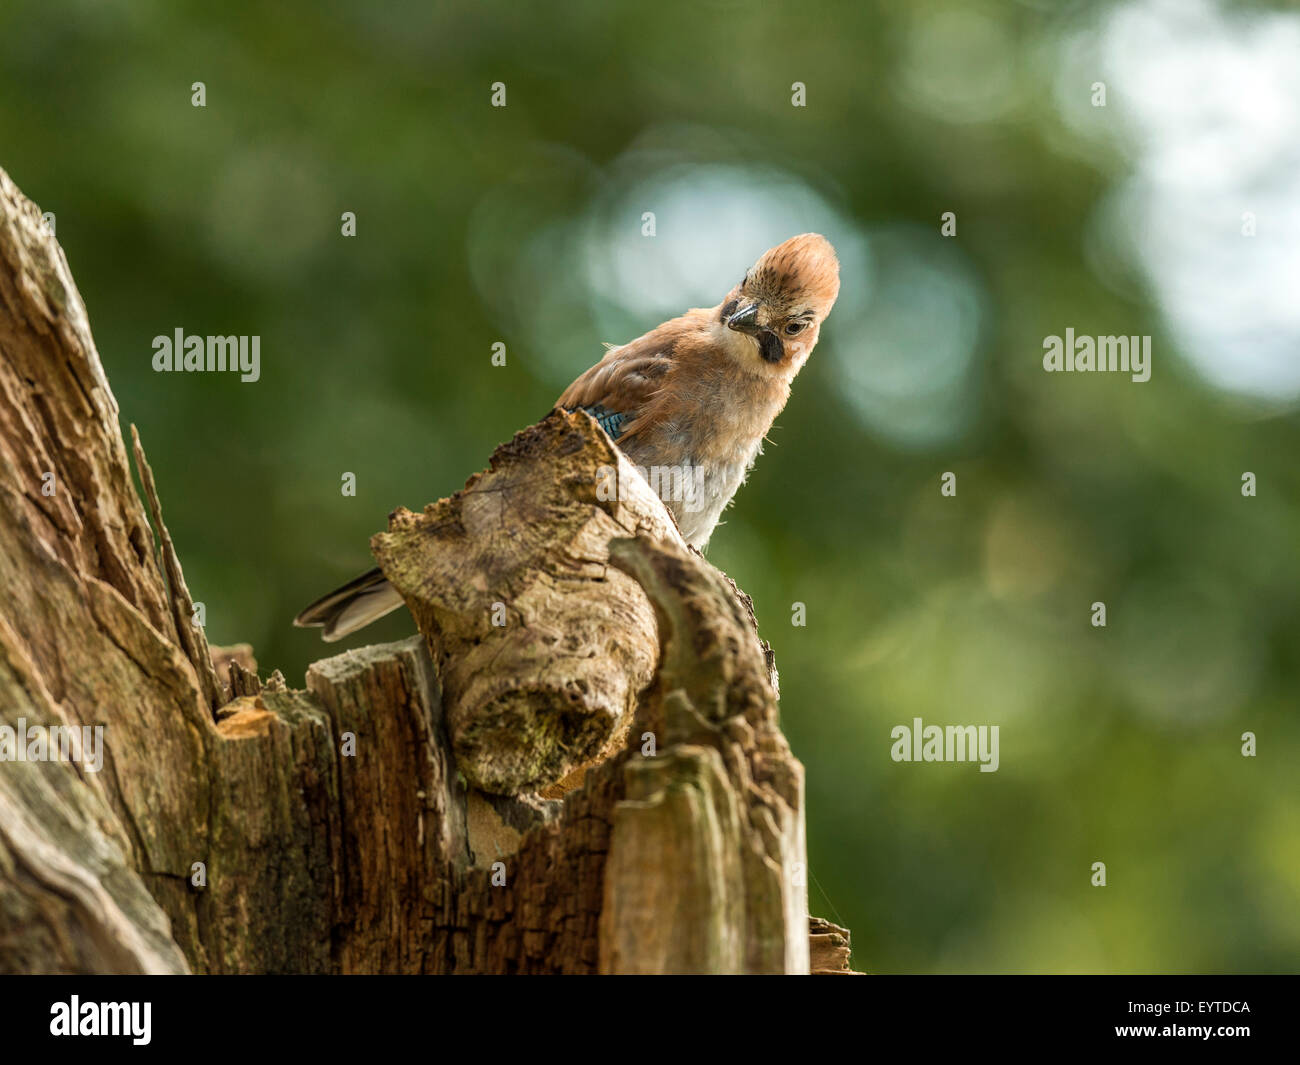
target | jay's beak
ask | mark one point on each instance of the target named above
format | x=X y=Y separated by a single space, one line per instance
x=745 y=320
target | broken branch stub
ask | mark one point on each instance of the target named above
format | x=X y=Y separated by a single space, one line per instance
x=706 y=868
x=542 y=646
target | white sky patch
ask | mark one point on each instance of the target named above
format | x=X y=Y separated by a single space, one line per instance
x=906 y=367
x=1209 y=105
x=711 y=223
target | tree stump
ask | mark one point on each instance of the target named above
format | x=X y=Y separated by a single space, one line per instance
x=577 y=767
x=541 y=644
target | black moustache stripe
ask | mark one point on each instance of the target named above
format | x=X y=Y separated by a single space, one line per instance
x=770 y=346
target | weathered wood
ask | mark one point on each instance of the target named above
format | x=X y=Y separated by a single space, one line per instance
x=541 y=645
x=192 y=639
x=828 y=947
x=707 y=865
x=86 y=639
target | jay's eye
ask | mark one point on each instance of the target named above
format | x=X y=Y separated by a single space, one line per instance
x=794 y=328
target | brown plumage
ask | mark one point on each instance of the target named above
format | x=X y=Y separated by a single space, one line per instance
x=702 y=390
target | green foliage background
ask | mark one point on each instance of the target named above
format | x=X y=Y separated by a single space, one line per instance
x=1119 y=744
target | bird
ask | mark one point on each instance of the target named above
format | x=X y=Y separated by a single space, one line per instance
x=695 y=396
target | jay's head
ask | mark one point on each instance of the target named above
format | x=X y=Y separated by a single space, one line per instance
x=783 y=300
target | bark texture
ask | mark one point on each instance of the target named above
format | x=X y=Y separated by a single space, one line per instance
x=577 y=767
x=541 y=644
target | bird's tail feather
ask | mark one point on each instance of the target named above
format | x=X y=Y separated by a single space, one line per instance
x=352 y=607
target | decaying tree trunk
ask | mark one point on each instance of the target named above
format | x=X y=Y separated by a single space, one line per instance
x=576 y=768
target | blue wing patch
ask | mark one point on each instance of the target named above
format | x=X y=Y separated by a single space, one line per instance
x=609 y=420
